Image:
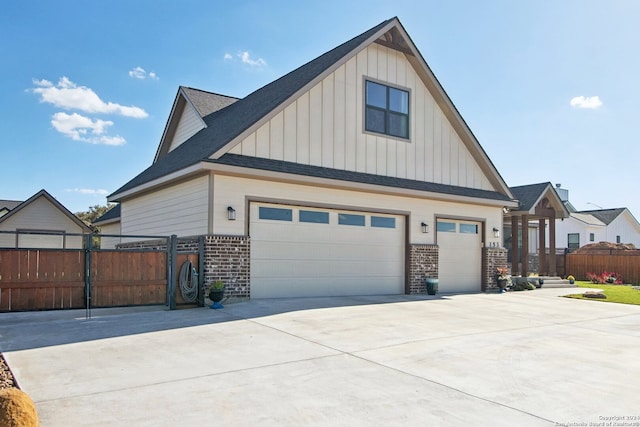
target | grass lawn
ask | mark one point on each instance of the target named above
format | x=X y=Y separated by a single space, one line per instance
x=623 y=294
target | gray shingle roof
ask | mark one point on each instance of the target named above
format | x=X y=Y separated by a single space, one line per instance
x=605 y=215
x=207 y=102
x=528 y=195
x=226 y=124
x=359 y=177
x=112 y=213
x=9 y=204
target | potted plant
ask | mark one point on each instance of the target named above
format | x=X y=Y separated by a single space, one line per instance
x=571 y=279
x=216 y=293
x=503 y=278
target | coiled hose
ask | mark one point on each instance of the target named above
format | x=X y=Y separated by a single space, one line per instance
x=188 y=282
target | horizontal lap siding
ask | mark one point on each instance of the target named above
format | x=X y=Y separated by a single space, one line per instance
x=324 y=127
x=181 y=209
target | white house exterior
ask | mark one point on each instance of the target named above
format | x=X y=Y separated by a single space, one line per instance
x=40 y=222
x=603 y=225
x=352 y=175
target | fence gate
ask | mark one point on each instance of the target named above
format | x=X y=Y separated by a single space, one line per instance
x=47 y=279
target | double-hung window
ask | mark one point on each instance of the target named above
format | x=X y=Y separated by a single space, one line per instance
x=387 y=110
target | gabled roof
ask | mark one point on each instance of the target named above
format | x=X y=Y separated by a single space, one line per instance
x=587 y=219
x=111 y=215
x=605 y=215
x=52 y=200
x=226 y=127
x=205 y=102
x=530 y=195
x=9 y=204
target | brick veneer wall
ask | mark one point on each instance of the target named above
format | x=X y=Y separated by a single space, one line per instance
x=423 y=263
x=492 y=259
x=227 y=258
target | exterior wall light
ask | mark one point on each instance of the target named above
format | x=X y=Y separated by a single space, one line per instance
x=231 y=213
x=425 y=227
x=496 y=232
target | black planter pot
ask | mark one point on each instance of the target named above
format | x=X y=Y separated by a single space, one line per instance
x=432 y=285
x=216 y=296
x=502 y=283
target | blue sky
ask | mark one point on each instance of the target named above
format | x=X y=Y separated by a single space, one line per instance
x=549 y=87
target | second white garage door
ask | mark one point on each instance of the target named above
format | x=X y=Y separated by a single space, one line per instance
x=303 y=252
x=459 y=256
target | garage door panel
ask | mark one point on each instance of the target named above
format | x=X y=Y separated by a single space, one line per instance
x=459 y=259
x=292 y=258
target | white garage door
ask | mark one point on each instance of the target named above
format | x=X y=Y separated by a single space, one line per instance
x=302 y=252
x=459 y=256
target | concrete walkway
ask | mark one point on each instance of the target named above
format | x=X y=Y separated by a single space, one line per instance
x=521 y=358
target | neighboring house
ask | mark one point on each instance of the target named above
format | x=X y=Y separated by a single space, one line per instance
x=40 y=222
x=109 y=225
x=603 y=225
x=354 y=174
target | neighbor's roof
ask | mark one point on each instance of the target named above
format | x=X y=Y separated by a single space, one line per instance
x=109 y=216
x=9 y=204
x=225 y=124
x=605 y=215
x=588 y=219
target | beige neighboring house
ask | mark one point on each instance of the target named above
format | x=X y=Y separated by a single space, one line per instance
x=352 y=175
x=40 y=222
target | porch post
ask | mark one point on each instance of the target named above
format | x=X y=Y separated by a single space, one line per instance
x=525 y=245
x=542 y=270
x=514 y=245
x=552 y=247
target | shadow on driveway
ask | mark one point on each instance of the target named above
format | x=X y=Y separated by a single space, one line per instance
x=28 y=330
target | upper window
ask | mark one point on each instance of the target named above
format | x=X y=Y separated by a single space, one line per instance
x=592 y=237
x=387 y=110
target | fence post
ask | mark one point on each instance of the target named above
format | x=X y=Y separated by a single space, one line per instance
x=172 y=263
x=88 y=242
x=201 y=277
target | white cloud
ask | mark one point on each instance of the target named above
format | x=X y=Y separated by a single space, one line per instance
x=98 y=191
x=245 y=57
x=590 y=102
x=68 y=95
x=140 y=73
x=81 y=128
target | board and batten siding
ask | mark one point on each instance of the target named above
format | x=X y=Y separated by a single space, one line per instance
x=325 y=127
x=235 y=191
x=188 y=125
x=41 y=215
x=180 y=209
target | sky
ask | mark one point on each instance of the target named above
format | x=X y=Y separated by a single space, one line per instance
x=550 y=88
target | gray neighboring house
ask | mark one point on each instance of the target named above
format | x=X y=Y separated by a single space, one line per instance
x=352 y=175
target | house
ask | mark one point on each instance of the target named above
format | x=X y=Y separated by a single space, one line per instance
x=352 y=175
x=601 y=225
x=109 y=226
x=39 y=222
x=531 y=225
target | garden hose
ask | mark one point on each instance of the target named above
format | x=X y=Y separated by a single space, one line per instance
x=188 y=282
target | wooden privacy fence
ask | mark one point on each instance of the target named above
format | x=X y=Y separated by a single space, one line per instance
x=48 y=279
x=626 y=263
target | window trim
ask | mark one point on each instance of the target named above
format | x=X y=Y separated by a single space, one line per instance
x=366 y=79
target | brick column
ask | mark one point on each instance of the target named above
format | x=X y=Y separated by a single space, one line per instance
x=492 y=259
x=423 y=263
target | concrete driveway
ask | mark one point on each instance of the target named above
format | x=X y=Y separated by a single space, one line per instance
x=525 y=359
